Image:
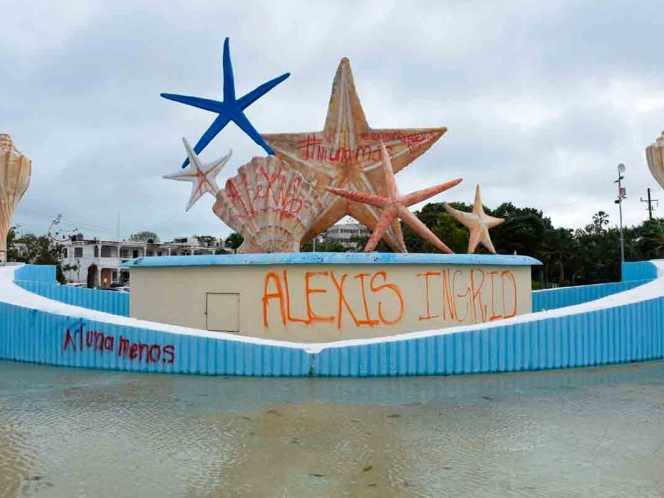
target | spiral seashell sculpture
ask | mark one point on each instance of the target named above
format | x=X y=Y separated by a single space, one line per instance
x=656 y=160
x=15 y=171
x=270 y=204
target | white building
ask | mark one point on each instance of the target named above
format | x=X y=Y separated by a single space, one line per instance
x=343 y=232
x=100 y=261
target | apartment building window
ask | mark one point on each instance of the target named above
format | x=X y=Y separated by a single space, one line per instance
x=78 y=252
x=108 y=252
x=64 y=253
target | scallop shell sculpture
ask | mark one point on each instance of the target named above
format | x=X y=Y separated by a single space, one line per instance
x=656 y=160
x=270 y=204
x=15 y=171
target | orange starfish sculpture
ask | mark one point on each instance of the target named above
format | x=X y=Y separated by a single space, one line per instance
x=478 y=222
x=347 y=155
x=396 y=206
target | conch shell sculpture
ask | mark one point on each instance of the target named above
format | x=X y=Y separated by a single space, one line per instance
x=15 y=170
x=656 y=160
x=270 y=204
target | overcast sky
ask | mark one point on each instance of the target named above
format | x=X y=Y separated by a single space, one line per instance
x=542 y=100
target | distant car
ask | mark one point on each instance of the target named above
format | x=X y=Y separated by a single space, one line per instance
x=118 y=289
x=74 y=284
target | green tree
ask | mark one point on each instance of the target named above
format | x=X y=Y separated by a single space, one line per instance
x=233 y=241
x=357 y=243
x=598 y=253
x=649 y=239
x=144 y=236
x=323 y=245
x=443 y=226
x=523 y=231
x=558 y=256
x=12 y=252
x=38 y=250
x=207 y=240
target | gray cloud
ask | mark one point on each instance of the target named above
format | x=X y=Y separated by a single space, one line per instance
x=542 y=100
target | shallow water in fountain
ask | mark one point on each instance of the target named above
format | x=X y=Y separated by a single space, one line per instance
x=583 y=432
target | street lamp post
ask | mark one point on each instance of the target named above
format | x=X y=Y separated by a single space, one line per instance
x=621 y=196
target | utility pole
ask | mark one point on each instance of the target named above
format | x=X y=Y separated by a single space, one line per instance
x=649 y=201
x=619 y=201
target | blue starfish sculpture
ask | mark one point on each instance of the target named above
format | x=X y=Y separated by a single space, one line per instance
x=231 y=109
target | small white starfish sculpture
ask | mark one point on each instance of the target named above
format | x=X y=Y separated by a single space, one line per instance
x=202 y=176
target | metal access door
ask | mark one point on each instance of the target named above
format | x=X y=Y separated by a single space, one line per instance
x=222 y=312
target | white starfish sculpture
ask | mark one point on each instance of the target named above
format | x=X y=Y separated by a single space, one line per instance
x=202 y=176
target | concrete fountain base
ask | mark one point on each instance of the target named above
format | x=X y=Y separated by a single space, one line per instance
x=626 y=325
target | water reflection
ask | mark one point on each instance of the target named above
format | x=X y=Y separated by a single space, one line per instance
x=584 y=432
x=15 y=459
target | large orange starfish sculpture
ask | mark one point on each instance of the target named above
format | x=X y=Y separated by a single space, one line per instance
x=478 y=222
x=396 y=206
x=347 y=155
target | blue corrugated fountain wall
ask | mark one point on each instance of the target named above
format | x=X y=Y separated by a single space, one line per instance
x=41 y=337
x=632 y=332
x=612 y=335
x=633 y=275
x=36 y=273
x=551 y=299
x=639 y=270
x=41 y=280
